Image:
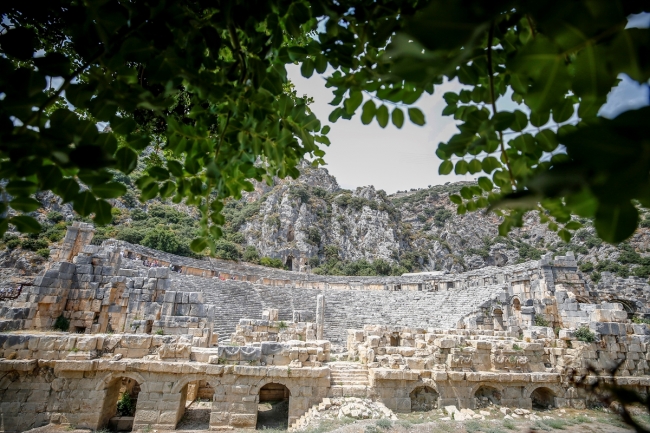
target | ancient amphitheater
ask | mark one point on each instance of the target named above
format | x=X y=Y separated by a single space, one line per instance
x=240 y=335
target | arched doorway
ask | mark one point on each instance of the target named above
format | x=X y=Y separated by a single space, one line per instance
x=487 y=396
x=289 y=263
x=542 y=399
x=497 y=314
x=120 y=404
x=273 y=407
x=198 y=406
x=424 y=399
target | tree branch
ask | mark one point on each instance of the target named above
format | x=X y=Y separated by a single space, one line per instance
x=494 y=103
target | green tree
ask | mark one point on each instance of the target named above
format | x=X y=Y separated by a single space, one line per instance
x=162 y=239
x=205 y=85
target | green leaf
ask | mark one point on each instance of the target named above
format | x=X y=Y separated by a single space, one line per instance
x=546 y=140
x=475 y=166
x=382 y=116
x=502 y=120
x=122 y=125
x=126 y=160
x=485 y=183
x=539 y=119
x=25 y=204
x=21 y=188
x=563 y=111
x=167 y=189
x=573 y=225
x=307 y=68
x=398 y=117
x=490 y=164
x=466 y=193
x=158 y=173
x=109 y=190
x=353 y=102
x=616 y=222
x=462 y=167
x=325 y=130
x=53 y=64
x=454 y=198
x=67 y=189
x=25 y=224
x=175 y=168
x=198 y=245
x=103 y=214
x=416 y=116
x=84 y=203
x=446 y=167
x=520 y=122
x=368 y=112
x=149 y=191
x=565 y=235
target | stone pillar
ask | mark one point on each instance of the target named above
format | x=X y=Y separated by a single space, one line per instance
x=320 y=316
x=76 y=238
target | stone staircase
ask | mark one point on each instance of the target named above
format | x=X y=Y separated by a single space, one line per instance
x=348 y=379
x=311 y=413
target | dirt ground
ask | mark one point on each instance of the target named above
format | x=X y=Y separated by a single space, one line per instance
x=559 y=420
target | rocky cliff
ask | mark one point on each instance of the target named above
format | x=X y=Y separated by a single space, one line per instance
x=311 y=224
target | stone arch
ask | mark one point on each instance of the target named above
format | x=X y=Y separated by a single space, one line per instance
x=110 y=377
x=487 y=395
x=629 y=306
x=424 y=398
x=543 y=398
x=186 y=379
x=118 y=386
x=516 y=303
x=556 y=389
x=273 y=406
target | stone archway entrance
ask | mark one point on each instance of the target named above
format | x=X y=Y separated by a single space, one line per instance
x=273 y=407
x=197 y=407
x=487 y=396
x=543 y=399
x=289 y=263
x=424 y=399
x=120 y=404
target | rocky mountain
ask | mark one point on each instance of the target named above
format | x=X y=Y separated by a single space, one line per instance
x=312 y=224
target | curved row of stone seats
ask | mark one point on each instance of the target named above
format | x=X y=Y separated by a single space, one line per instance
x=344 y=309
x=278 y=277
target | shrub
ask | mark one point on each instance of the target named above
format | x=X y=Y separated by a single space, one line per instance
x=584 y=334
x=540 y=321
x=271 y=262
x=55 y=216
x=595 y=277
x=640 y=321
x=139 y=215
x=227 y=250
x=131 y=235
x=61 y=324
x=384 y=424
x=314 y=262
x=586 y=267
x=44 y=252
x=313 y=235
x=125 y=405
x=162 y=239
x=34 y=244
x=12 y=242
x=251 y=255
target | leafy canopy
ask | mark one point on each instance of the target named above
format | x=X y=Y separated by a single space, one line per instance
x=205 y=83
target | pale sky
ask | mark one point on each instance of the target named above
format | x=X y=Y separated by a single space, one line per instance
x=397 y=160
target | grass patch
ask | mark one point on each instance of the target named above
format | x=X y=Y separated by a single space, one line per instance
x=473 y=426
x=558 y=424
x=384 y=424
x=539 y=425
x=509 y=424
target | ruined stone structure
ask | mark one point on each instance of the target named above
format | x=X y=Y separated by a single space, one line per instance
x=240 y=334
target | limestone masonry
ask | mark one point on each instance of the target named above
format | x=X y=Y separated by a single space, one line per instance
x=240 y=334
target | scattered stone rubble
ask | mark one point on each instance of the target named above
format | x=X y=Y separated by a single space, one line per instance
x=464 y=342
